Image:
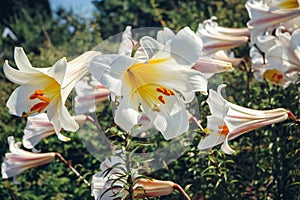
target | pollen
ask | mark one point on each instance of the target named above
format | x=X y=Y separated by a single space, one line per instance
x=162 y=99
x=223 y=130
x=165 y=91
x=38 y=107
x=274 y=76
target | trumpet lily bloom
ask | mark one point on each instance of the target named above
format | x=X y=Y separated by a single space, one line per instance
x=45 y=89
x=213 y=40
x=89 y=92
x=130 y=47
x=209 y=66
x=280 y=65
x=267 y=17
x=229 y=121
x=105 y=184
x=159 y=87
x=19 y=160
x=39 y=127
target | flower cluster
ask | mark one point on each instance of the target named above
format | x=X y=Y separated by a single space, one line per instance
x=151 y=81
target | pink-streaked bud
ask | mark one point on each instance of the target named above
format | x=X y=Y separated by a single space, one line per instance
x=39 y=127
x=19 y=160
x=108 y=184
x=89 y=93
x=229 y=120
x=209 y=66
x=222 y=55
x=152 y=188
x=267 y=18
x=214 y=40
x=234 y=31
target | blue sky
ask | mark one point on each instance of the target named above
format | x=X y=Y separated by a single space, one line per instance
x=81 y=7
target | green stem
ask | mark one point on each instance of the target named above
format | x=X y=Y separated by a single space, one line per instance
x=129 y=179
x=181 y=190
x=91 y=119
x=72 y=169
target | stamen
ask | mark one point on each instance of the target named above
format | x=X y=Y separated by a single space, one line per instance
x=165 y=91
x=223 y=129
x=162 y=99
x=160 y=89
x=274 y=76
x=38 y=107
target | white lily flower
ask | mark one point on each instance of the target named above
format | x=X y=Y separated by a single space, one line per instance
x=45 y=89
x=229 y=120
x=266 y=16
x=214 y=40
x=104 y=180
x=129 y=46
x=39 y=127
x=19 y=160
x=280 y=65
x=89 y=92
x=105 y=184
x=159 y=87
x=209 y=66
x=280 y=4
x=165 y=35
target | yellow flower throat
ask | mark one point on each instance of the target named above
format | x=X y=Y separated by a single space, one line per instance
x=44 y=96
x=143 y=79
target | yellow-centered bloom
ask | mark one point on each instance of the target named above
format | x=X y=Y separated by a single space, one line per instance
x=45 y=89
x=267 y=16
x=159 y=87
x=279 y=63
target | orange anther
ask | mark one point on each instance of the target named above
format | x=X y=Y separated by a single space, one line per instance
x=36 y=94
x=160 y=89
x=43 y=98
x=39 y=92
x=33 y=96
x=165 y=91
x=38 y=107
x=172 y=92
x=223 y=130
x=162 y=99
x=169 y=93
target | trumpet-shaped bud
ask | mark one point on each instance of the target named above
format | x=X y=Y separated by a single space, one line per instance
x=38 y=127
x=89 y=93
x=19 y=160
x=229 y=121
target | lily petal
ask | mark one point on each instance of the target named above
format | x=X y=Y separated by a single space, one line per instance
x=22 y=61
